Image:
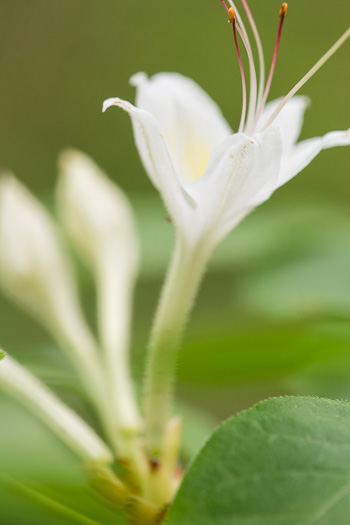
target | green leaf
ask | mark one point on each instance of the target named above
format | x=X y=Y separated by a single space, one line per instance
x=38 y=495
x=302 y=286
x=49 y=481
x=2 y=355
x=197 y=427
x=259 y=354
x=284 y=462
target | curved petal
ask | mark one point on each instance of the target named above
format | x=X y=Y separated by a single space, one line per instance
x=242 y=173
x=191 y=121
x=290 y=120
x=306 y=151
x=156 y=158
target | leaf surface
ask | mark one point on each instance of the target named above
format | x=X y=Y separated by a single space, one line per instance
x=284 y=462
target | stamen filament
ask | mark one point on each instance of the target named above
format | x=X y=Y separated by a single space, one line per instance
x=225 y=6
x=308 y=75
x=253 y=80
x=259 y=48
x=283 y=13
x=244 y=86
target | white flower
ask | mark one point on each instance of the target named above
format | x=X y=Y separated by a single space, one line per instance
x=208 y=176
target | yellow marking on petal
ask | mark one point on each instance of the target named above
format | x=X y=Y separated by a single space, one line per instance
x=196 y=158
x=191 y=160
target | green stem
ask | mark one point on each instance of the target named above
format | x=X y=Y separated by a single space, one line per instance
x=180 y=289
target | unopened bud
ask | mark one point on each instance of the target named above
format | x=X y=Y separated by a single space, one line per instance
x=95 y=212
x=34 y=270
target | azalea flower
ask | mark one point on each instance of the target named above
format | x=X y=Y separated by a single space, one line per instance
x=210 y=178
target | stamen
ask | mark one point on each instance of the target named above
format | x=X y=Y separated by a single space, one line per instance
x=234 y=15
x=260 y=51
x=244 y=87
x=308 y=75
x=225 y=6
x=253 y=81
x=282 y=14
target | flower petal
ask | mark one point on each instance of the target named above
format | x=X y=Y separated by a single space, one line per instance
x=290 y=120
x=191 y=121
x=242 y=173
x=156 y=158
x=306 y=151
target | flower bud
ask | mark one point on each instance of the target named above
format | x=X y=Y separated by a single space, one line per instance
x=21 y=385
x=99 y=222
x=95 y=212
x=36 y=274
x=34 y=270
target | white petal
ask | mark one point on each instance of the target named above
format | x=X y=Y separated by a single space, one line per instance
x=20 y=384
x=290 y=120
x=156 y=158
x=307 y=150
x=242 y=173
x=191 y=121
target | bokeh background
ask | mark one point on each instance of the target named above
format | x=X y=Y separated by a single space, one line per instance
x=273 y=314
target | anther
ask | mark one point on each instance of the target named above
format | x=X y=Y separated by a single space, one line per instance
x=283 y=10
x=231 y=15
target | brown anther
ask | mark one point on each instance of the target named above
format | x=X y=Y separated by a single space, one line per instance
x=283 y=10
x=154 y=465
x=231 y=15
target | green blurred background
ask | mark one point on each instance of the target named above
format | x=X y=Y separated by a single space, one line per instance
x=272 y=315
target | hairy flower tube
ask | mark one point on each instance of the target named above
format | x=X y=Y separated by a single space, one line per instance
x=210 y=178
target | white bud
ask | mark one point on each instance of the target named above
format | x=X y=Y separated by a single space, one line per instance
x=95 y=212
x=33 y=268
x=36 y=274
x=100 y=224
x=66 y=424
